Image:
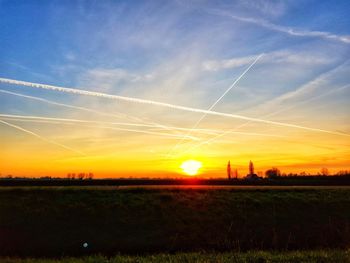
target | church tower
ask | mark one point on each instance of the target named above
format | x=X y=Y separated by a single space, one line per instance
x=251 y=167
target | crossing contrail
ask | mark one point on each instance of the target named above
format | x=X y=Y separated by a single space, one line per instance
x=216 y=102
x=64 y=120
x=29 y=117
x=69 y=121
x=41 y=138
x=268 y=115
x=118 y=115
x=232 y=85
x=162 y=104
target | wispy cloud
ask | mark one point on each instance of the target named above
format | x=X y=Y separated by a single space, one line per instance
x=271 y=8
x=283 y=29
x=106 y=79
x=275 y=57
x=307 y=90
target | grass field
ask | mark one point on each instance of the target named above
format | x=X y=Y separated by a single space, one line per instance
x=318 y=256
x=57 y=221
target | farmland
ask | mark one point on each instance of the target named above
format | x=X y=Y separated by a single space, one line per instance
x=57 y=221
x=317 y=256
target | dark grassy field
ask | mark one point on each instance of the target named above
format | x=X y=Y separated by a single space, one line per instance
x=335 y=180
x=318 y=256
x=56 y=221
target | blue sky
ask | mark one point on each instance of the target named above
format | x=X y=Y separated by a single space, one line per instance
x=182 y=52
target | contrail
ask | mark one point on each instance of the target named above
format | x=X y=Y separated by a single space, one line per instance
x=70 y=121
x=146 y=124
x=162 y=104
x=119 y=115
x=29 y=117
x=249 y=133
x=64 y=105
x=217 y=101
x=268 y=115
x=63 y=120
x=233 y=84
x=42 y=138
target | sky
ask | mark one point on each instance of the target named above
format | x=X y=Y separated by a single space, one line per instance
x=266 y=81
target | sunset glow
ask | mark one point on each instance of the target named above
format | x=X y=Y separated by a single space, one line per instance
x=191 y=167
x=89 y=88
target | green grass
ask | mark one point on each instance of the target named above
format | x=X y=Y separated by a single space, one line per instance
x=57 y=221
x=318 y=256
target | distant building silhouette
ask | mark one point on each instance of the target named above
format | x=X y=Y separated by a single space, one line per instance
x=252 y=175
x=251 y=167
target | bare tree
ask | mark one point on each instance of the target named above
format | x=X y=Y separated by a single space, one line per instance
x=229 y=170
x=324 y=171
x=273 y=173
x=90 y=176
x=81 y=176
x=235 y=173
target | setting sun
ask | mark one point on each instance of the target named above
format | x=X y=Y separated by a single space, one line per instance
x=191 y=167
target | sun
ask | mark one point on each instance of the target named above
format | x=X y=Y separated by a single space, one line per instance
x=191 y=167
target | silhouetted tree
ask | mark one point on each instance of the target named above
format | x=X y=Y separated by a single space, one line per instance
x=324 y=171
x=81 y=176
x=343 y=172
x=229 y=170
x=90 y=176
x=235 y=173
x=273 y=173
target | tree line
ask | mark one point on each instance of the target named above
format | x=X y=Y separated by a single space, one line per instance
x=80 y=176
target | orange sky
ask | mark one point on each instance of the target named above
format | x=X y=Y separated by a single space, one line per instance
x=110 y=155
